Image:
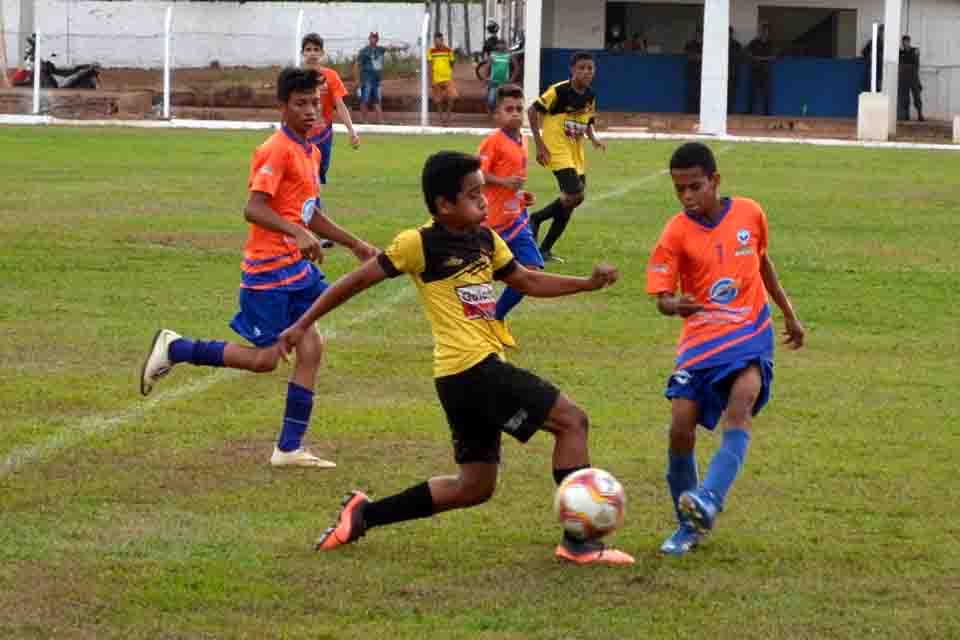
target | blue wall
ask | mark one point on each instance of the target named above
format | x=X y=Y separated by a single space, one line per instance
x=658 y=83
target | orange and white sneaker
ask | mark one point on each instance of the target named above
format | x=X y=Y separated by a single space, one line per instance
x=590 y=552
x=349 y=527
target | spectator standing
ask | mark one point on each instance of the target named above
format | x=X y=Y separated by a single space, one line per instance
x=760 y=51
x=369 y=70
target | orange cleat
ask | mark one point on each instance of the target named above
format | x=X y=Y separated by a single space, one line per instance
x=349 y=527
x=591 y=552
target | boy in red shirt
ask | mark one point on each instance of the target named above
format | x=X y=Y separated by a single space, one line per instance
x=280 y=280
x=715 y=253
x=503 y=160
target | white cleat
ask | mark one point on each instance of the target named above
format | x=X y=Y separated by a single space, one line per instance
x=158 y=362
x=298 y=458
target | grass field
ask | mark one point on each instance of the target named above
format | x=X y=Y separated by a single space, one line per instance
x=125 y=518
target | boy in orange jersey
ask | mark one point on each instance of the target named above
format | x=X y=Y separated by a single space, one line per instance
x=331 y=92
x=715 y=253
x=503 y=160
x=280 y=280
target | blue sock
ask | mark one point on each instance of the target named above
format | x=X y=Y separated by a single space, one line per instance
x=726 y=462
x=296 y=418
x=681 y=476
x=201 y=352
x=508 y=300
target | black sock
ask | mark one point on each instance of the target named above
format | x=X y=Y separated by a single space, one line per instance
x=548 y=212
x=415 y=502
x=560 y=474
x=556 y=230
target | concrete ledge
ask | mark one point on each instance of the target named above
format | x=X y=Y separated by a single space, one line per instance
x=873 y=117
x=78 y=104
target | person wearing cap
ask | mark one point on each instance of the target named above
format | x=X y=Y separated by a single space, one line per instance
x=369 y=70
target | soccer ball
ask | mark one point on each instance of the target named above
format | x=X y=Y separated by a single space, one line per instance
x=590 y=503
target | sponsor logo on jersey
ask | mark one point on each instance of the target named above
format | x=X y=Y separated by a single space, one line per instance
x=681 y=377
x=723 y=291
x=479 y=301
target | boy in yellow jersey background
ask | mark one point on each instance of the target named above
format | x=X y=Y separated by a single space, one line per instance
x=443 y=90
x=566 y=112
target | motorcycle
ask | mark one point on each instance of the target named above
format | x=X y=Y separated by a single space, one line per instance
x=482 y=68
x=83 y=76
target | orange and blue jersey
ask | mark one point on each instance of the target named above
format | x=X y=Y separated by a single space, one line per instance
x=504 y=156
x=331 y=87
x=719 y=265
x=285 y=168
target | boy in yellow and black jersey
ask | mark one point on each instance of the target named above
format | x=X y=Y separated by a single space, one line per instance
x=453 y=262
x=566 y=112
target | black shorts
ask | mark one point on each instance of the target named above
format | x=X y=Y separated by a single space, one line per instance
x=489 y=398
x=570 y=181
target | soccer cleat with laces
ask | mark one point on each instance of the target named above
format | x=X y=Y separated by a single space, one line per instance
x=158 y=362
x=700 y=507
x=298 y=458
x=350 y=525
x=685 y=538
x=590 y=552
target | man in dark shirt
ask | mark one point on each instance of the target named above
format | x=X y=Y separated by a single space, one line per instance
x=694 y=51
x=734 y=53
x=909 y=81
x=760 y=51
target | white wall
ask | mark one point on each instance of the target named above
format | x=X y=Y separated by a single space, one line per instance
x=933 y=24
x=129 y=34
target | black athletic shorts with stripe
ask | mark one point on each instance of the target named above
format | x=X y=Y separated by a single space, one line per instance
x=491 y=398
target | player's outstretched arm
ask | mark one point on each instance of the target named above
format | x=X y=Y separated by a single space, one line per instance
x=793 y=329
x=533 y=116
x=344 y=113
x=541 y=284
x=259 y=212
x=363 y=277
x=322 y=225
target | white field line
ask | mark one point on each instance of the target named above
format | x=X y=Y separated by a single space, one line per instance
x=636 y=184
x=105 y=423
x=177 y=123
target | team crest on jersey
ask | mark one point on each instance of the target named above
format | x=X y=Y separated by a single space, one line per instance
x=310 y=206
x=723 y=291
x=479 y=301
x=681 y=377
x=743 y=236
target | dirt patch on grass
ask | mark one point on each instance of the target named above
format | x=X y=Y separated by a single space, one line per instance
x=48 y=601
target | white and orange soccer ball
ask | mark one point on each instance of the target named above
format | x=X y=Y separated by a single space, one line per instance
x=590 y=503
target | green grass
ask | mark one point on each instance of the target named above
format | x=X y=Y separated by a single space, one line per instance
x=124 y=518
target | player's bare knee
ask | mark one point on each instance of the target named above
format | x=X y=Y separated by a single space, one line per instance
x=310 y=349
x=266 y=360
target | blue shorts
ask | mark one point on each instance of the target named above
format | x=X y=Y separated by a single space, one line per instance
x=370 y=91
x=324 y=142
x=264 y=315
x=525 y=249
x=710 y=388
